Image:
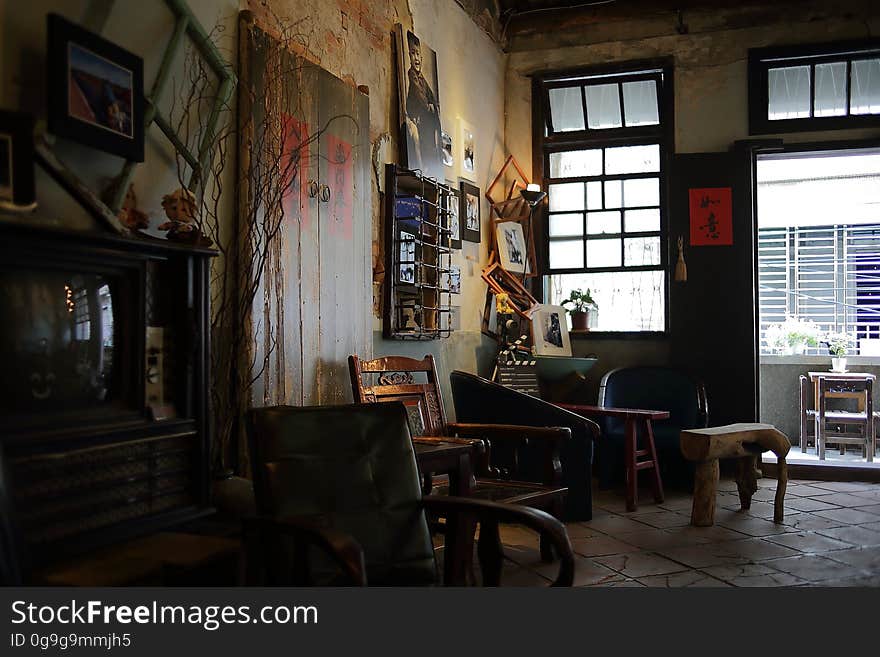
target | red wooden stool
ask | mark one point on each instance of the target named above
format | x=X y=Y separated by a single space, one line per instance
x=633 y=418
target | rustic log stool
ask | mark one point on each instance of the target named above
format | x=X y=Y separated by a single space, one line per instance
x=743 y=441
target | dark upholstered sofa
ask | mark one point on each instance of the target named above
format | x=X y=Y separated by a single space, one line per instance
x=481 y=401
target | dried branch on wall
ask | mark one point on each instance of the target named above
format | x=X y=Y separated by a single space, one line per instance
x=269 y=154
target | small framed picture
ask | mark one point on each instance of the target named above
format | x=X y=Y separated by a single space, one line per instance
x=550 y=331
x=407 y=258
x=96 y=91
x=512 y=247
x=451 y=280
x=16 y=158
x=468 y=150
x=470 y=212
x=452 y=205
x=446 y=147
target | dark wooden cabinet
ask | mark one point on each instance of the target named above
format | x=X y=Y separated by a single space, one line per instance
x=104 y=434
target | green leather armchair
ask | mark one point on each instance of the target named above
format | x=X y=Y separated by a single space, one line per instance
x=339 y=502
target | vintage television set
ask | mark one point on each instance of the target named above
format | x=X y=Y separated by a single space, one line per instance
x=103 y=432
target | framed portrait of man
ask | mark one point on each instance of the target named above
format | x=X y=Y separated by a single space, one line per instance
x=421 y=139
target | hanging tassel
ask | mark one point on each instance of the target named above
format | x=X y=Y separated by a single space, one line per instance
x=681 y=270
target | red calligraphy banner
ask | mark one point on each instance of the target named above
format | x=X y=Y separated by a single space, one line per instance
x=711 y=211
x=340 y=180
x=294 y=165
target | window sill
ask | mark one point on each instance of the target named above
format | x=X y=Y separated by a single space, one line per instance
x=825 y=361
x=618 y=335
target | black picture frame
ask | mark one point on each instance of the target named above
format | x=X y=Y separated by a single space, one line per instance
x=468 y=231
x=17 y=158
x=95 y=90
x=454 y=200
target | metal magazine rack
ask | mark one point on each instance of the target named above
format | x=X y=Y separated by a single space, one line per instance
x=418 y=288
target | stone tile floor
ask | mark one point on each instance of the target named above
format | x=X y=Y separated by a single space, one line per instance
x=830 y=537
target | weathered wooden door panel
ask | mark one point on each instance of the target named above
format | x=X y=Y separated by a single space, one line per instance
x=313 y=306
x=344 y=240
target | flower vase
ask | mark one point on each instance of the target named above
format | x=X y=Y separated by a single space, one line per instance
x=838 y=363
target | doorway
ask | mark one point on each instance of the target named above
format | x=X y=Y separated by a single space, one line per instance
x=818 y=297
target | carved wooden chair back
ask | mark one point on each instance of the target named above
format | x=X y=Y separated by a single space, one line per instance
x=398 y=378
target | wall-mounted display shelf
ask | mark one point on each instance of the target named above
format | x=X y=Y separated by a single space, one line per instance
x=419 y=279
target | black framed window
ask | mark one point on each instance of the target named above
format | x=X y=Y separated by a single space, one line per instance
x=818 y=87
x=605 y=137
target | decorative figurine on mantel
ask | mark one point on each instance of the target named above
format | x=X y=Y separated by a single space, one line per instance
x=129 y=215
x=180 y=208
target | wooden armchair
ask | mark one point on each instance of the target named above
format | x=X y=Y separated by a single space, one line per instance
x=498 y=472
x=339 y=502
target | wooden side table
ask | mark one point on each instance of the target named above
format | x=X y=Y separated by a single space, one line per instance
x=633 y=419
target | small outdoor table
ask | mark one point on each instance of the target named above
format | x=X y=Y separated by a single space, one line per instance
x=633 y=419
x=745 y=441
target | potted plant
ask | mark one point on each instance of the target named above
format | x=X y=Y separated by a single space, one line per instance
x=838 y=347
x=582 y=302
x=792 y=336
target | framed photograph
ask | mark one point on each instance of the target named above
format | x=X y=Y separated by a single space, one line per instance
x=96 y=91
x=468 y=150
x=407 y=258
x=446 y=144
x=421 y=139
x=512 y=247
x=453 y=216
x=17 y=158
x=470 y=212
x=451 y=280
x=550 y=331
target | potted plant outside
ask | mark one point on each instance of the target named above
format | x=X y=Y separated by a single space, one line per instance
x=581 y=303
x=838 y=347
x=793 y=335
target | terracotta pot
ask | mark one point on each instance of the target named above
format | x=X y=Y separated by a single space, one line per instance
x=579 y=321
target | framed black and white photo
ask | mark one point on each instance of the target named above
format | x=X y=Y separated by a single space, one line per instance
x=468 y=150
x=96 y=91
x=470 y=212
x=16 y=159
x=446 y=146
x=512 y=247
x=453 y=216
x=550 y=331
x=407 y=258
x=451 y=280
x=417 y=91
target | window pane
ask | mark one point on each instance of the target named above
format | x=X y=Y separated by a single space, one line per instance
x=603 y=106
x=636 y=221
x=830 y=89
x=632 y=159
x=603 y=222
x=641 y=251
x=640 y=103
x=566 y=196
x=789 y=93
x=626 y=301
x=566 y=109
x=641 y=191
x=865 y=93
x=566 y=224
x=569 y=164
x=613 y=193
x=594 y=195
x=603 y=253
x=568 y=254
